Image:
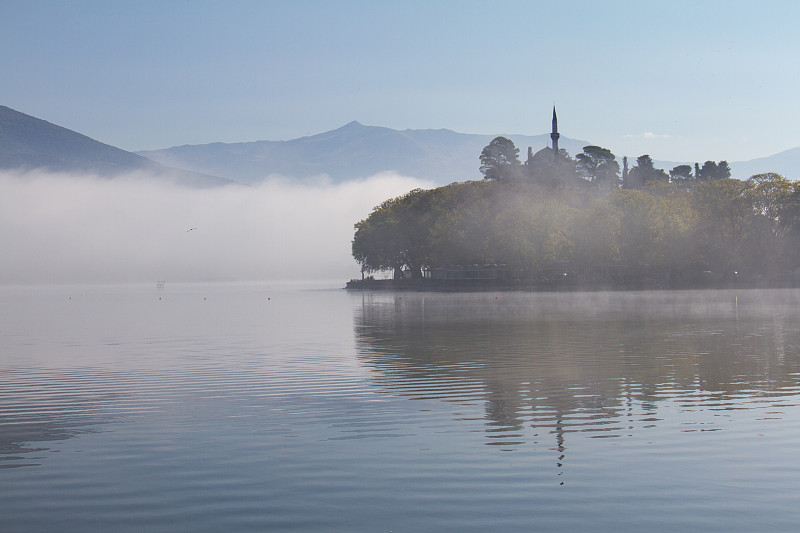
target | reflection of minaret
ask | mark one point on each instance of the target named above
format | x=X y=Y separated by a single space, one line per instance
x=559 y=431
x=554 y=134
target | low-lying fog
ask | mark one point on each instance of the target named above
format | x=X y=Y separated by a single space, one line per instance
x=57 y=228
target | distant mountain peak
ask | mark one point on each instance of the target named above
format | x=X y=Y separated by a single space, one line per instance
x=351 y=152
x=350 y=127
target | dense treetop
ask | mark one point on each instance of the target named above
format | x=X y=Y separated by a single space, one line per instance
x=581 y=215
x=500 y=159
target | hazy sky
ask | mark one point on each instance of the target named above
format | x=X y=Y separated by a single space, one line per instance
x=681 y=81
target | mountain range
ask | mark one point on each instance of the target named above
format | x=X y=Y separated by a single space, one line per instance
x=28 y=143
x=354 y=151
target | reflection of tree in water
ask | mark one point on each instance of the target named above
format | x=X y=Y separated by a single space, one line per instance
x=597 y=363
x=43 y=408
x=15 y=439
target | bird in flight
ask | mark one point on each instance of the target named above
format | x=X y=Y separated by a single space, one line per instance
x=190 y=229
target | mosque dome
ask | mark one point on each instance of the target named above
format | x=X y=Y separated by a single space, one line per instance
x=543 y=155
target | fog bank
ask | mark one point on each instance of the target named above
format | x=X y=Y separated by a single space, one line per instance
x=57 y=228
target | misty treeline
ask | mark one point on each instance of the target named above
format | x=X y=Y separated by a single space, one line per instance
x=667 y=229
x=594 y=166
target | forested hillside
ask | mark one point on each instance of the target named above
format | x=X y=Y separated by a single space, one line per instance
x=684 y=230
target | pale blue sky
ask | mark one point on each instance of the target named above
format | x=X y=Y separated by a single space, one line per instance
x=681 y=81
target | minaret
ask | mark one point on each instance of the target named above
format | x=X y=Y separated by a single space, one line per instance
x=554 y=135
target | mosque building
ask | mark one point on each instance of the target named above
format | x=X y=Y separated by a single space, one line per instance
x=548 y=165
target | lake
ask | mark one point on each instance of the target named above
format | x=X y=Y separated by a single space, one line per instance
x=266 y=407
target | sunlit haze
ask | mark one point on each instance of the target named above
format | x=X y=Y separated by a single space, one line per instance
x=68 y=229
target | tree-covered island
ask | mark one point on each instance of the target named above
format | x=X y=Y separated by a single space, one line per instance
x=557 y=221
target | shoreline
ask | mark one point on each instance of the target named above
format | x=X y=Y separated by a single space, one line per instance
x=562 y=286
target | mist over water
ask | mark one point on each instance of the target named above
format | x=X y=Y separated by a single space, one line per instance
x=58 y=228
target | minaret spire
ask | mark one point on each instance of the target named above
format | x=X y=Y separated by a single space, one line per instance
x=554 y=134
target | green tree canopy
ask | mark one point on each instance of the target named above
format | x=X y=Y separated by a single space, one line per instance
x=713 y=171
x=644 y=172
x=599 y=166
x=773 y=201
x=538 y=228
x=681 y=174
x=395 y=235
x=500 y=159
x=725 y=224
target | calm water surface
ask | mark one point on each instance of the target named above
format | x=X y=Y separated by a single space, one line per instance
x=268 y=408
